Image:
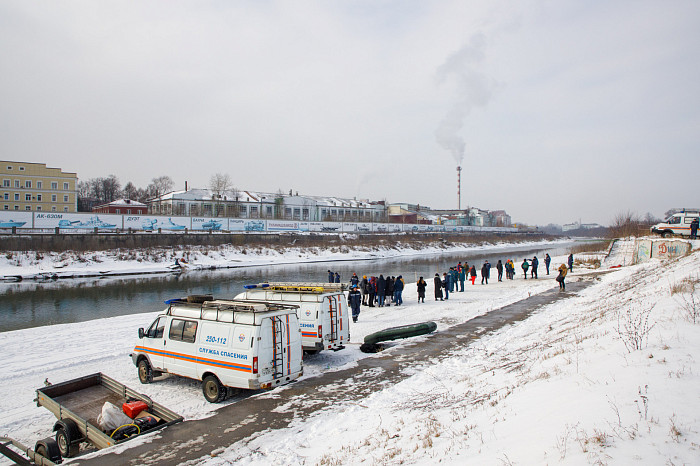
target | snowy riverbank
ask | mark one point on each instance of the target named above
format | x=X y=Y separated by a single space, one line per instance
x=562 y=387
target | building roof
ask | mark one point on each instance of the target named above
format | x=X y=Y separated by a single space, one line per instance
x=123 y=202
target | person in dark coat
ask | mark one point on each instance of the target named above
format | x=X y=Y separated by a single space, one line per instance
x=364 y=288
x=337 y=277
x=372 y=291
x=525 y=266
x=381 y=290
x=331 y=277
x=438 y=287
x=354 y=301
x=499 y=267
x=472 y=273
x=547 y=261
x=462 y=274
x=571 y=262
x=354 y=280
x=421 y=285
x=534 y=263
x=694 y=228
x=389 y=289
x=485 y=272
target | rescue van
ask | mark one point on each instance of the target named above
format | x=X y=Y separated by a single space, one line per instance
x=223 y=343
x=677 y=224
x=322 y=310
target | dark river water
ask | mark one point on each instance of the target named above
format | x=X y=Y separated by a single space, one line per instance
x=34 y=304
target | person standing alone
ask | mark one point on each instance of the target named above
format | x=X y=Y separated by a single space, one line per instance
x=694 y=228
x=547 y=261
x=421 y=285
x=560 y=278
x=354 y=300
x=438 y=287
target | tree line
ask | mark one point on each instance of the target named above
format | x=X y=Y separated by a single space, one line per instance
x=103 y=190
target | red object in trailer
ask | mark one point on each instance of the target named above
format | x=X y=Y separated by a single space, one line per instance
x=133 y=408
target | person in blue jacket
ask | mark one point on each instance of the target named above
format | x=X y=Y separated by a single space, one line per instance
x=571 y=262
x=398 y=290
x=354 y=300
x=547 y=261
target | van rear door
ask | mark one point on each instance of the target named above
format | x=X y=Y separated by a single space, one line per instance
x=276 y=346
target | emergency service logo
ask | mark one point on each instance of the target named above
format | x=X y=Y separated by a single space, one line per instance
x=241 y=337
x=308 y=313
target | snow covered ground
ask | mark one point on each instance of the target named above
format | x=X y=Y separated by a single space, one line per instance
x=606 y=376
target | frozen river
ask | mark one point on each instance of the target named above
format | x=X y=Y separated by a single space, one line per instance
x=34 y=304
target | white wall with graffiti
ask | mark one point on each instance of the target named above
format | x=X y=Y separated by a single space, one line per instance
x=68 y=222
x=645 y=249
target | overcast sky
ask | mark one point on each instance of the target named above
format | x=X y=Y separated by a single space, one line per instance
x=557 y=110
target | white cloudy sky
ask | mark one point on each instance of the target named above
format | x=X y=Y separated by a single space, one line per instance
x=566 y=109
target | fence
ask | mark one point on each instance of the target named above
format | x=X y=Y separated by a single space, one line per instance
x=28 y=222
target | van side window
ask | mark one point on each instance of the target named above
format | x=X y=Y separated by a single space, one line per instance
x=675 y=220
x=183 y=330
x=156 y=329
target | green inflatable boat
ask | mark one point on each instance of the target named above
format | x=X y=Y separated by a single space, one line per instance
x=397 y=333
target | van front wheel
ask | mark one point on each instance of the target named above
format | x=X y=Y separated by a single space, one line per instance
x=213 y=390
x=145 y=371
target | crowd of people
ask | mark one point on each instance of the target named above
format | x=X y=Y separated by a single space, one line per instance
x=384 y=291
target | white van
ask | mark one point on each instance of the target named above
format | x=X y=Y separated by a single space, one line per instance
x=223 y=343
x=677 y=224
x=322 y=310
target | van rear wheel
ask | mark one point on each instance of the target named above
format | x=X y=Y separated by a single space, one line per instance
x=213 y=390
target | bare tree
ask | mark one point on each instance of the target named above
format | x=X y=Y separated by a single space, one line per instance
x=219 y=185
x=111 y=188
x=130 y=191
x=650 y=219
x=161 y=185
x=625 y=224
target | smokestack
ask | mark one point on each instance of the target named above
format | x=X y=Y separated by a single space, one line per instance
x=185 y=185
x=459 y=187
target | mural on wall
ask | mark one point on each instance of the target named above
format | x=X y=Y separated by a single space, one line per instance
x=209 y=224
x=669 y=249
x=255 y=225
x=76 y=221
x=645 y=249
x=642 y=250
x=16 y=219
x=106 y=222
x=149 y=223
x=282 y=225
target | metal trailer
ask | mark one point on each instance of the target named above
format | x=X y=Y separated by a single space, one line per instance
x=77 y=403
x=23 y=455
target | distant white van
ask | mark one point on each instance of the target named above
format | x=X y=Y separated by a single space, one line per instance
x=223 y=343
x=676 y=224
x=322 y=310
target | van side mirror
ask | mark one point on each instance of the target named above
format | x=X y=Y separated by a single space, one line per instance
x=141 y=333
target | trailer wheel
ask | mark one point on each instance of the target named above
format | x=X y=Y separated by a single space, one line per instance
x=67 y=435
x=48 y=448
x=213 y=390
x=145 y=371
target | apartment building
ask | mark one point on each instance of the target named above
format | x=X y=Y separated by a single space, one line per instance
x=28 y=186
